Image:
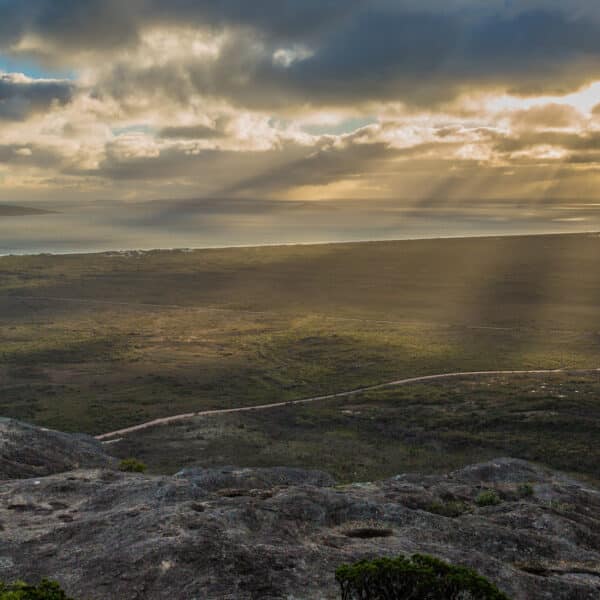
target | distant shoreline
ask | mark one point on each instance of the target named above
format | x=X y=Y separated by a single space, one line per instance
x=9 y=210
x=140 y=251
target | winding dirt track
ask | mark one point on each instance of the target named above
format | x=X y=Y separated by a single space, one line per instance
x=399 y=382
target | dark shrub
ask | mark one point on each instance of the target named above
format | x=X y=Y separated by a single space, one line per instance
x=453 y=508
x=417 y=578
x=46 y=590
x=525 y=490
x=488 y=498
x=132 y=465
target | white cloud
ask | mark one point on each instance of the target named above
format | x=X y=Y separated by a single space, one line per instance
x=286 y=57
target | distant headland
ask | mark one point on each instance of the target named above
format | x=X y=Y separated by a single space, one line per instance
x=8 y=210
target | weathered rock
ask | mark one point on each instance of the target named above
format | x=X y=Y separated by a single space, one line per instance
x=27 y=451
x=280 y=533
x=248 y=479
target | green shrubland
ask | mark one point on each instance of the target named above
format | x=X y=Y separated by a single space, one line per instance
x=417 y=578
x=46 y=590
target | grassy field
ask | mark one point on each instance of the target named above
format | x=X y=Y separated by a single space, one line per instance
x=433 y=427
x=97 y=342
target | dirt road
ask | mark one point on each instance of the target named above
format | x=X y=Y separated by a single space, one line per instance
x=396 y=383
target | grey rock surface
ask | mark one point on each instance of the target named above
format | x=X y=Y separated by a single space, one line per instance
x=259 y=478
x=280 y=533
x=28 y=451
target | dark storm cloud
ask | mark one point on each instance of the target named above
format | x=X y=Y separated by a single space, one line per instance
x=71 y=24
x=29 y=155
x=283 y=20
x=194 y=132
x=104 y=23
x=20 y=97
x=422 y=52
x=425 y=57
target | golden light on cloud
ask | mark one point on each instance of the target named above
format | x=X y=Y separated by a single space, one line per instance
x=336 y=103
x=583 y=100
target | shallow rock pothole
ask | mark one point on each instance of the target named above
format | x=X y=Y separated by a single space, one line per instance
x=365 y=533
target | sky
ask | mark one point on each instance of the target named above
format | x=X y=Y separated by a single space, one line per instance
x=418 y=103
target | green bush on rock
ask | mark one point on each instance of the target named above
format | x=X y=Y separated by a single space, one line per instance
x=453 y=509
x=417 y=578
x=525 y=490
x=46 y=590
x=132 y=465
x=488 y=498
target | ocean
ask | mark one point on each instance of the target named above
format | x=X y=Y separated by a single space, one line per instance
x=118 y=226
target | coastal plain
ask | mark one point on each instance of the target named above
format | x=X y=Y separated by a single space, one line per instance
x=98 y=342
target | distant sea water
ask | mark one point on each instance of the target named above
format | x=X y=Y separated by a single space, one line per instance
x=113 y=226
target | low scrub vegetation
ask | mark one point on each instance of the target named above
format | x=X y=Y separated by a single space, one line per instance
x=488 y=498
x=417 y=578
x=452 y=508
x=274 y=325
x=132 y=465
x=425 y=428
x=525 y=490
x=46 y=590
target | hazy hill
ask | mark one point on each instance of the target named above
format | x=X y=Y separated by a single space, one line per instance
x=7 y=210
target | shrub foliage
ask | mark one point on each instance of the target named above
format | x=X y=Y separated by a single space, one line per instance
x=417 y=578
x=488 y=498
x=525 y=490
x=453 y=509
x=46 y=590
x=132 y=465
